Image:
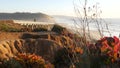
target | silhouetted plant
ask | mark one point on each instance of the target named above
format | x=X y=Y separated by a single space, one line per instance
x=58 y=29
x=39 y=29
x=67 y=56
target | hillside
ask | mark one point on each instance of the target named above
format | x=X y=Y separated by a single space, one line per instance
x=39 y=17
x=44 y=44
x=58 y=48
x=9 y=25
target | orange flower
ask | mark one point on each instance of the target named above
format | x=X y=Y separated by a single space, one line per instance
x=79 y=50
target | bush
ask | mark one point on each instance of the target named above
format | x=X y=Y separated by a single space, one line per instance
x=26 y=61
x=58 y=29
x=4 y=27
x=14 y=30
x=106 y=52
x=7 y=28
x=67 y=56
x=39 y=29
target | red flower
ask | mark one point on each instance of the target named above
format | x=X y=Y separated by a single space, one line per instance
x=116 y=39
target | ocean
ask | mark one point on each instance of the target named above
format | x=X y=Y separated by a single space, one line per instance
x=112 y=23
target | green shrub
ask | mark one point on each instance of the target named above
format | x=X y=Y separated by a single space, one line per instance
x=12 y=63
x=4 y=27
x=7 y=28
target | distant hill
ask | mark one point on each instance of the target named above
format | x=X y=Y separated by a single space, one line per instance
x=38 y=17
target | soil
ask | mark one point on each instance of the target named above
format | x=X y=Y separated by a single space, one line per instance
x=10 y=35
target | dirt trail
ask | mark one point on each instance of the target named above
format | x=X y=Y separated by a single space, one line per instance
x=18 y=35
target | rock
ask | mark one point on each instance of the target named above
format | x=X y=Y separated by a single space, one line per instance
x=43 y=47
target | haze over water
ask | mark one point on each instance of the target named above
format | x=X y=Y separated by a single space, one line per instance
x=113 y=24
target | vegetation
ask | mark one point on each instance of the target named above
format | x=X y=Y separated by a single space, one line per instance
x=7 y=28
x=39 y=29
x=67 y=56
x=26 y=61
x=10 y=26
x=105 y=52
x=58 y=29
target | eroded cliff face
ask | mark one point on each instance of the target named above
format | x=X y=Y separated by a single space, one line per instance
x=62 y=40
x=44 y=46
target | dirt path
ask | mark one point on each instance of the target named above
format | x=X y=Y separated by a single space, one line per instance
x=18 y=35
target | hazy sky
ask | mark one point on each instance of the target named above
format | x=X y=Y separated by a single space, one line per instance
x=110 y=8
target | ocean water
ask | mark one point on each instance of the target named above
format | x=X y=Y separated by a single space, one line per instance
x=112 y=23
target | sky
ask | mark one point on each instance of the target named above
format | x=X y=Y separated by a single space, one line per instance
x=110 y=8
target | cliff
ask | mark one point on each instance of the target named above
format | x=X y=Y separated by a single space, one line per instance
x=38 y=17
x=43 y=45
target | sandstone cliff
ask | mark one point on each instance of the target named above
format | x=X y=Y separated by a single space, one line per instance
x=42 y=47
